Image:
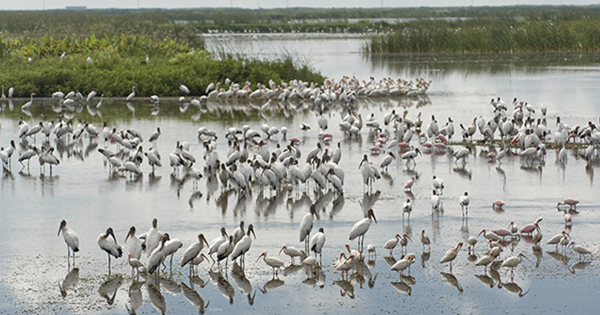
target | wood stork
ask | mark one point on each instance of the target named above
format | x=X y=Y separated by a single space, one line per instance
x=407 y=208
x=425 y=240
x=71 y=239
x=225 y=250
x=306 y=226
x=361 y=227
x=243 y=246
x=438 y=185
x=152 y=237
x=451 y=255
x=157 y=256
x=193 y=251
x=239 y=233
x=464 y=204
x=273 y=262
x=135 y=244
x=316 y=243
x=215 y=243
x=108 y=243
x=171 y=247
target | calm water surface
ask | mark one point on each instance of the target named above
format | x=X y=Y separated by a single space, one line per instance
x=81 y=191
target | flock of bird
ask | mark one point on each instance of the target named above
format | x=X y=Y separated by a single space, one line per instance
x=250 y=165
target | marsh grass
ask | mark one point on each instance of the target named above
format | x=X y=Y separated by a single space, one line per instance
x=490 y=36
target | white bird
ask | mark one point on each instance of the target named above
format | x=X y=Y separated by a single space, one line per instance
x=108 y=243
x=391 y=244
x=513 y=262
x=171 y=247
x=135 y=244
x=292 y=252
x=403 y=263
x=135 y=264
x=243 y=246
x=239 y=233
x=317 y=241
x=28 y=104
x=90 y=96
x=387 y=160
x=70 y=238
x=344 y=264
x=425 y=240
x=407 y=208
x=193 y=250
x=154 y=136
x=436 y=202
x=464 y=204
x=184 y=89
x=157 y=256
x=131 y=95
x=438 y=184
x=361 y=227
x=89 y=60
x=485 y=260
x=225 y=249
x=580 y=249
x=152 y=237
x=273 y=262
x=451 y=255
x=215 y=243
x=306 y=226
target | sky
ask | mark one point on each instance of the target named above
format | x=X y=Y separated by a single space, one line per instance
x=268 y=4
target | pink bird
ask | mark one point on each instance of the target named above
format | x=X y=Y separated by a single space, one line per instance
x=409 y=183
x=403 y=145
x=568 y=218
x=528 y=229
x=442 y=138
x=572 y=203
x=498 y=204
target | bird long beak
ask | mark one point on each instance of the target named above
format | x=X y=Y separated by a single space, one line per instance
x=259 y=257
x=282 y=249
x=113 y=235
x=130 y=233
x=62 y=225
x=252 y=229
x=374 y=219
x=407 y=237
x=205 y=241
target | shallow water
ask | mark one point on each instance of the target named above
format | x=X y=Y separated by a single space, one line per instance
x=81 y=191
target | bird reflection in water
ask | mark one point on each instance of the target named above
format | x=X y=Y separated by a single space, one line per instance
x=514 y=288
x=402 y=287
x=225 y=288
x=108 y=289
x=271 y=285
x=346 y=288
x=194 y=298
x=486 y=280
x=135 y=297
x=156 y=298
x=579 y=266
x=70 y=280
x=452 y=281
x=170 y=286
x=425 y=257
x=240 y=280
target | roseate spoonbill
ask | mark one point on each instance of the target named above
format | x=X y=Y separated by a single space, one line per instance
x=528 y=229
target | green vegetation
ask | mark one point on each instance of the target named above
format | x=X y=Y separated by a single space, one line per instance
x=490 y=36
x=31 y=44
